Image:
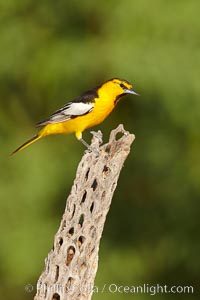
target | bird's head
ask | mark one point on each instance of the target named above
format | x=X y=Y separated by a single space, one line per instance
x=117 y=88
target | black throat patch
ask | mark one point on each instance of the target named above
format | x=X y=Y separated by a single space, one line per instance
x=118 y=98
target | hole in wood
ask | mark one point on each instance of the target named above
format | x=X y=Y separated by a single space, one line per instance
x=71 y=231
x=84 y=196
x=56 y=296
x=81 y=220
x=106 y=171
x=68 y=284
x=107 y=150
x=119 y=135
x=92 y=207
x=70 y=255
x=81 y=239
x=87 y=174
x=74 y=209
x=94 y=185
x=60 y=241
x=57 y=273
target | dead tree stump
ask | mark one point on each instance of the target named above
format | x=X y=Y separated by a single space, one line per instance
x=71 y=265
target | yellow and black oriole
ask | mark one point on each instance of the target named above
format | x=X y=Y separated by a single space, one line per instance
x=85 y=111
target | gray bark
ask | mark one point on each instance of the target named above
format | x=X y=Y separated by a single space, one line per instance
x=71 y=265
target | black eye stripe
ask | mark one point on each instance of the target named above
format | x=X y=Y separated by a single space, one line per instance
x=122 y=86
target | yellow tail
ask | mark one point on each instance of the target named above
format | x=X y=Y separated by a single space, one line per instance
x=29 y=142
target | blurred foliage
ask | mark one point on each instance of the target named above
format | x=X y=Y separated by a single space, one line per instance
x=50 y=52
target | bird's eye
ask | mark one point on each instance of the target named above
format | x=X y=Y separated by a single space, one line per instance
x=122 y=86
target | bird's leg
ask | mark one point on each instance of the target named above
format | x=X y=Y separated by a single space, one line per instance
x=85 y=143
x=91 y=149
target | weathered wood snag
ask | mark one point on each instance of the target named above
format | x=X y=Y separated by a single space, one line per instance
x=71 y=265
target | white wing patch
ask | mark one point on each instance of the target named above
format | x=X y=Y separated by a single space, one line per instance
x=68 y=111
x=71 y=110
x=77 y=109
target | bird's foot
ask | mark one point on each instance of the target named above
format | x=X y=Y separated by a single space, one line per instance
x=89 y=147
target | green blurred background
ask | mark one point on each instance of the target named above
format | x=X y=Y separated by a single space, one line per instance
x=50 y=52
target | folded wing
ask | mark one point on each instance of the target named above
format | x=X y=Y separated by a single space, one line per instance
x=69 y=111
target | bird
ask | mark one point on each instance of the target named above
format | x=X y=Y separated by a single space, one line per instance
x=85 y=111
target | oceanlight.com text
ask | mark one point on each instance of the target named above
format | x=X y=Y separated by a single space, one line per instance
x=113 y=288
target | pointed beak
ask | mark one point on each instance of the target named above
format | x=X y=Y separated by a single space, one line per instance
x=131 y=91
